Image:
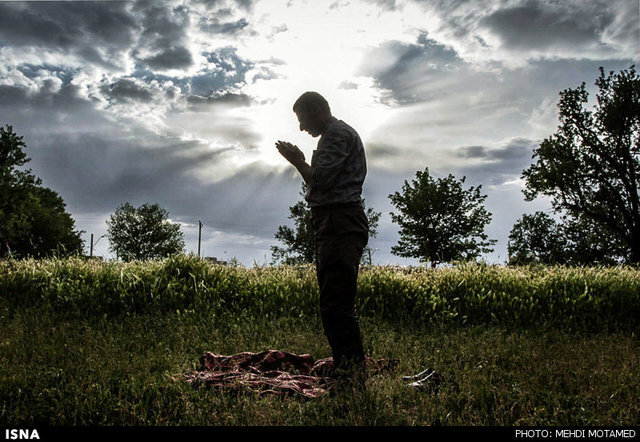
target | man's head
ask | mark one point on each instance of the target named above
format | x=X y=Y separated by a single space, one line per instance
x=313 y=112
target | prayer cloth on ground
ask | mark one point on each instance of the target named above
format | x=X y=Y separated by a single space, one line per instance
x=274 y=372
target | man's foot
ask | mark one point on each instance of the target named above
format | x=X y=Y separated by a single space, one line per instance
x=350 y=380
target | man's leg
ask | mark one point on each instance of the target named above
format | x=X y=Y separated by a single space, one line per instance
x=337 y=264
x=337 y=308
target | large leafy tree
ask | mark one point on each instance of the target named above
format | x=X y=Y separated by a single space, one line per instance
x=299 y=243
x=143 y=233
x=590 y=167
x=33 y=219
x=538 y=238
x=439 y=220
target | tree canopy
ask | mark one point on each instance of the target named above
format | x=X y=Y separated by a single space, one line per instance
x=33 y=218
x=439 y=220
x=538 y=238
x=590 y=167
x=143 y=233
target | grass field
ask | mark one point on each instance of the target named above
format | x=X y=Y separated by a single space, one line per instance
x=115 y=363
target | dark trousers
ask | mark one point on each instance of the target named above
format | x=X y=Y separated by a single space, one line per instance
x=341 y=232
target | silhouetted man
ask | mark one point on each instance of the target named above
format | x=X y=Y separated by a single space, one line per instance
x=334 y=177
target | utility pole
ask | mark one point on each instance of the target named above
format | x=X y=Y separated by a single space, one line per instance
x=92 y=244
x=374 y=251
x=199 y=236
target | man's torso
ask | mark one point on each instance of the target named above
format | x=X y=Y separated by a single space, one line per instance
x=338 y=167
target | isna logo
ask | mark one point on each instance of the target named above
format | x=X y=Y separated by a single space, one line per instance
x=16 y=434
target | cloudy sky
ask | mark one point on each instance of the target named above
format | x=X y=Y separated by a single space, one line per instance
x=180 y=102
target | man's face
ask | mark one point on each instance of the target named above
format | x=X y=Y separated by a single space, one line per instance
x=309 y=121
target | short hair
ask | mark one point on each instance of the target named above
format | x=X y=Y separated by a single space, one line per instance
x=308 y=98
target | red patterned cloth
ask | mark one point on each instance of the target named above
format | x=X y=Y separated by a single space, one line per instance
x=274 y=372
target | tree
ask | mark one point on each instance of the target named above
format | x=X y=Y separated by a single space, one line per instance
x=33 y=219
x=143 y=233
x=589 y=242
x=439 y=220
x=299 y=242
x=538 y=238
x=590 y=166
x=373 y=218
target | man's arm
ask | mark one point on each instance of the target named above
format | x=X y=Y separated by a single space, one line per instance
x=295 y=156
x=305 y=171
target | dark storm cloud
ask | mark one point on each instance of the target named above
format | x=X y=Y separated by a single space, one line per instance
x=514 y=150
x=66 y=25
x=126 y=89
x=11 y=94
x=78 y=28
x=398 y=67
x=541 y=28
x=223 y=7
x=215 y=26
x=202 y=103
x=537 y=24
x=47 y=107
x=95 y=171
x=171 y=58
x=246 y=4
x=495 y=165
x=163 y=27
x=472 y=152
x=164 y=35
x=210 y=4
x=382 y=151
x=47 y=111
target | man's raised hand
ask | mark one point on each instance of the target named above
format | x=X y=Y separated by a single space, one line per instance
x=291 y=152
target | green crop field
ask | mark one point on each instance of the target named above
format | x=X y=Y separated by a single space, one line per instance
x=86 y=343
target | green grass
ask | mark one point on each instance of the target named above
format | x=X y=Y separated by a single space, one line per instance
x=91 y=343
x=61 y=369
x=583 y=299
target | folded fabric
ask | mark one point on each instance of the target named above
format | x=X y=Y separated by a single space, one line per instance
x=274 y=372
